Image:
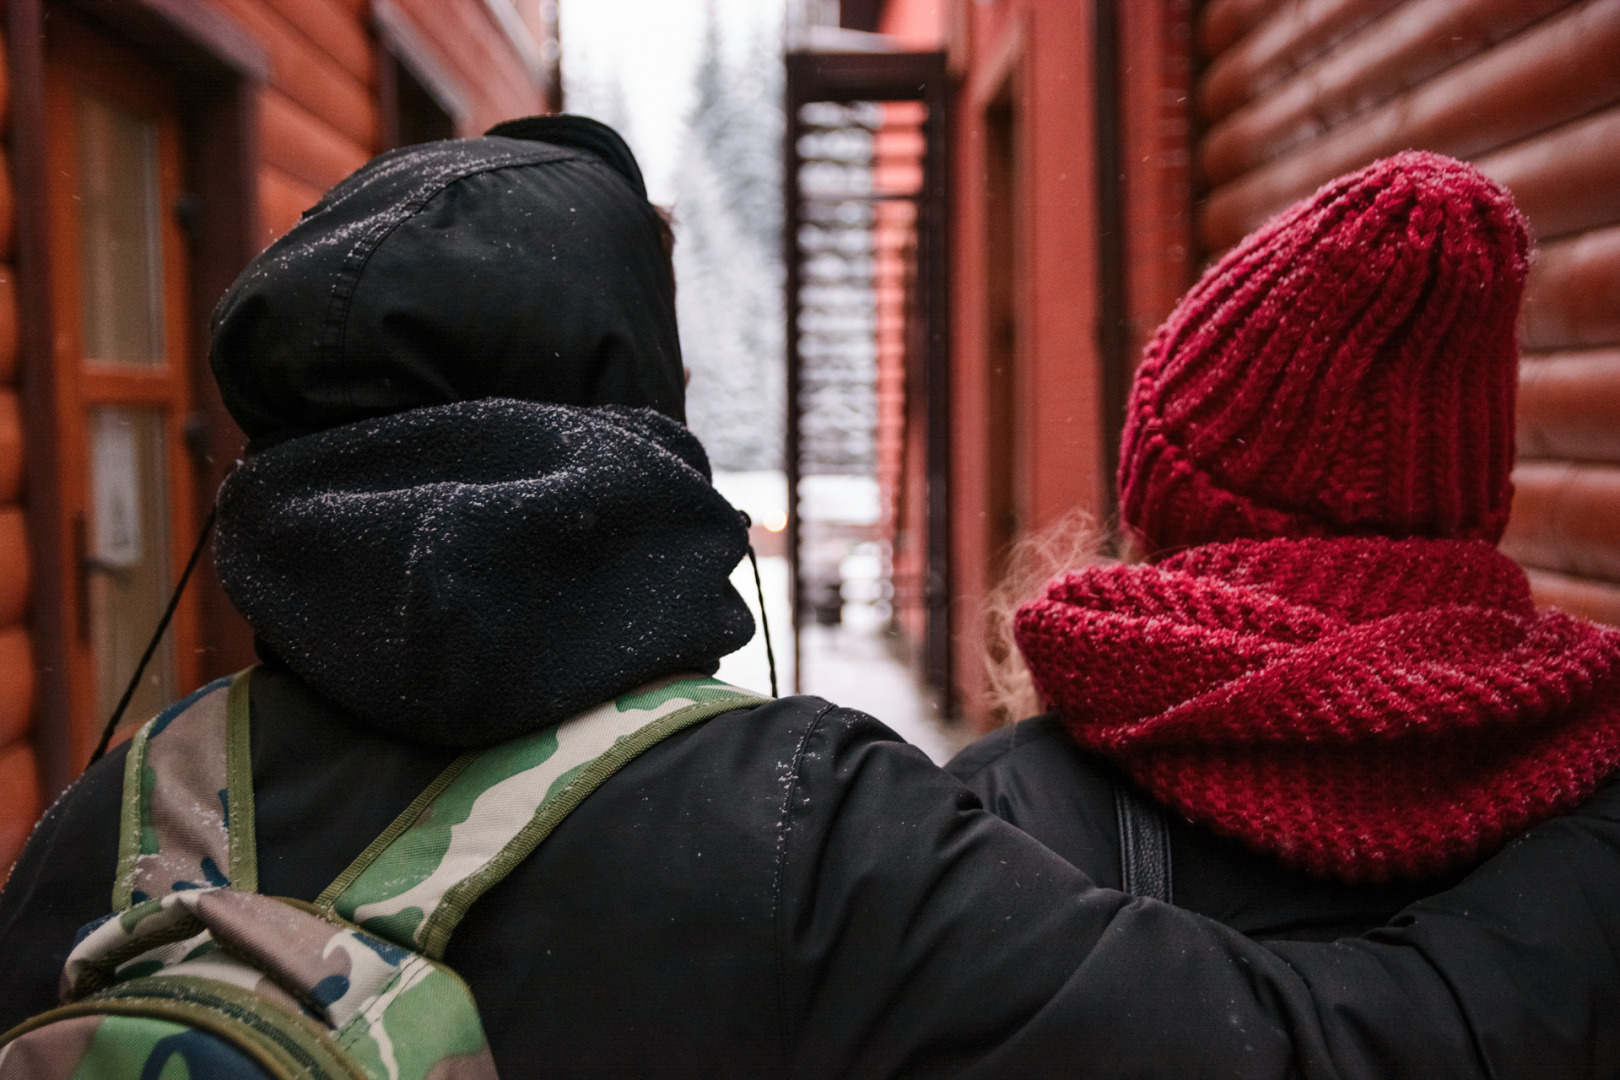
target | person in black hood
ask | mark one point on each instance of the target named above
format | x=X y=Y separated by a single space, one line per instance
x=471 y=506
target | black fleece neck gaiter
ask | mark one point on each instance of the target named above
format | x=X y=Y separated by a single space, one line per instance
x=463 y=574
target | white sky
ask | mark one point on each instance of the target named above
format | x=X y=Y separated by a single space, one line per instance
x=650 y=47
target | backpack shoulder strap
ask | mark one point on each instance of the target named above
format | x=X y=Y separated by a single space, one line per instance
x=187 y=815
x=1144 y=845
x=491 y=808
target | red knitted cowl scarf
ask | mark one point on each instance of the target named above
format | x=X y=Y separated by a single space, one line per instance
x=1362 y=709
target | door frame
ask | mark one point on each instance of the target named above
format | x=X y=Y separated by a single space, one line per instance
x=79 y=58
x=221 y=67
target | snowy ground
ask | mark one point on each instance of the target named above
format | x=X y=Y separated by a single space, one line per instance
x=850 y=664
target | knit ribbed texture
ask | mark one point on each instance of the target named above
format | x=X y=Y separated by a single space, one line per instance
x=1359 y=708
x=1350 y=368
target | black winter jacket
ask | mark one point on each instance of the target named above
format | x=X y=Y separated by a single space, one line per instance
x=786 y=891
x=790 y=891
x=1033 y=775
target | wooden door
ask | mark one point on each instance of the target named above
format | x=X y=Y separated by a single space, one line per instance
x=119 y=285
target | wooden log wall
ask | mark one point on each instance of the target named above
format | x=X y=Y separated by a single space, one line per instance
x=19 y=770
x=1295 y=92
x=319 y=114
x=478 y=55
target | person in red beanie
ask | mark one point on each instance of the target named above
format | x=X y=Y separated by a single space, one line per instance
x=1322 y=693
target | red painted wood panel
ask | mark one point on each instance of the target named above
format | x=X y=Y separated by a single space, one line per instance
x=5 y=91
x=16 y=684
x=8 y=325
x=19 y=802
x=302 y=145
x=1581 y=597
x=1398 y=52
x=1573 y=296
x=489 y=59
x=282 y=198
x=1566 y=179
x=335 y=27
x=14 y=563
x=1566 y=517
x=1281 y=47
x=1557 y=70
x=1569 y=406
x=308 y=75
x=11 y=447
x=8 y=200
x=1225 y=22
x=479 y=55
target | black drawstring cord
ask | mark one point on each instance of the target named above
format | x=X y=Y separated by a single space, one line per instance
x=764 y=622
x=759 y=588
x=157 y=636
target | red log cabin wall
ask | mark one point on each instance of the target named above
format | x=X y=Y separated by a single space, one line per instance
x=287 y=96
x=19 y=774
x=321 y=113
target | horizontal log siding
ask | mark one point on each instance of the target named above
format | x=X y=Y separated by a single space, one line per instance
x=1529 y=89
x=1225 y=22
x=306 y=73
x=282 y=198
x=1367 y=72
x=11 y=447
x=301 y=145
x=332 y=27
x=1569 y=406
x=477 y=53
x=19 y=766
x=1555 y=71
x=319 y=117
x=1566 y=179
x=1284 y=45
x=8 y=326
x=8 y=215
x=1566 y=517
x=1578 y=596
x=1573 y=296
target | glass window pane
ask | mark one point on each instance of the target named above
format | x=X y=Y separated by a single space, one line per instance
x=120 y=251
x=128 y=557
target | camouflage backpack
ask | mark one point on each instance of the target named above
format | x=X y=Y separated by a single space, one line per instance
x=195 y=976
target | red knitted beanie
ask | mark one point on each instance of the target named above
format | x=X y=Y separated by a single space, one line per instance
x=1349 y=369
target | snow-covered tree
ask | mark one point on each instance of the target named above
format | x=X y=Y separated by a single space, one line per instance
x=728 y=213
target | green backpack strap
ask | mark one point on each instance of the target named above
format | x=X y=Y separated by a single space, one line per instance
x=187 y=816
x=491 y=808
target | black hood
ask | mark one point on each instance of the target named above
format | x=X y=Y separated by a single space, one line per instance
x=454 y=271
x=463 y=574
